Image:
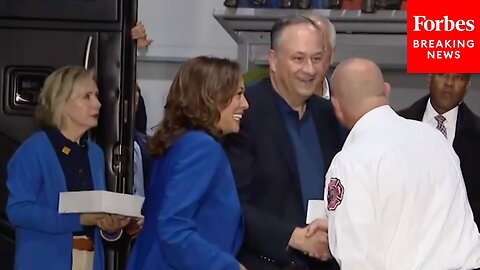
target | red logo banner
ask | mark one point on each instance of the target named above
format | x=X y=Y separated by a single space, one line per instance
x=443 y=36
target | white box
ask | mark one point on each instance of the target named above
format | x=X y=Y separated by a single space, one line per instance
x=100 y=201
x=315 y=210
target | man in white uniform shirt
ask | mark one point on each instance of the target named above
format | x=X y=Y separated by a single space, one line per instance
x=395 y=193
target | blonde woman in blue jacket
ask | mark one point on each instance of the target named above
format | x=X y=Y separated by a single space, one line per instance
x=192 y=213
x=59 y=158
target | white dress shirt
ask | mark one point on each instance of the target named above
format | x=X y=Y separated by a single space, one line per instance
x=396 y=199
x=138 y=185
x=450 y=122
x=326 y=89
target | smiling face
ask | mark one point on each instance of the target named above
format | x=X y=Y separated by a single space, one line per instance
x=297 y=62
x=231 y=115
x=447 y=90
x=82 y=107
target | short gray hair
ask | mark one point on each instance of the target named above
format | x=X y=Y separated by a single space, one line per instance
x=332 y=33
x=282 y=23
x=57 y=89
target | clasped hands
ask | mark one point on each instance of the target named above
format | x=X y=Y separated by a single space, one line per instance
x=113 y=223
x=312 y=240
x=106 y=222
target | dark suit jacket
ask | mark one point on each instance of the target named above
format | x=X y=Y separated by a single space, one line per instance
x=466 y=145
x=263 y=163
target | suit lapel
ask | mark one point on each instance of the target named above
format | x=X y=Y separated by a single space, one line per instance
x=417 y=110
x=272 y=118
x=465 y=119
x=326 y=136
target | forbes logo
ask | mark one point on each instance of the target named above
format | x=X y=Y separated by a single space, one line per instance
x=447 y=25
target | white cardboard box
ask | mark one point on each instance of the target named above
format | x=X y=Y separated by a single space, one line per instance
x=315 y=210
x=100 y=201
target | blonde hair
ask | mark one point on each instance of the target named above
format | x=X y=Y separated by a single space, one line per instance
x=57 y=89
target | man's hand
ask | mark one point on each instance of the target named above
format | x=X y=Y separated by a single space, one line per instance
x=318 y=225
x=140 y=35
x=318 y=230
x=316 y=245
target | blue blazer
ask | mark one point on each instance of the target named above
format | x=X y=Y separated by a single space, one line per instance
x=192 y=212
x=34 y=181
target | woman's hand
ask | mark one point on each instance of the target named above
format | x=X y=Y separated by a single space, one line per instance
x=90 y=219
x=113 y=223
x=134 y=227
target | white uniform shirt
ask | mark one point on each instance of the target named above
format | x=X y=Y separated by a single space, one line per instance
x=396 y=199
x=450 y=120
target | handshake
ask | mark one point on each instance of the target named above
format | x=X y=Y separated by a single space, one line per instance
x=312 y=240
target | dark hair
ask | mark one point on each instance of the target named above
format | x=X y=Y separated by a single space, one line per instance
x=282 y=23
x=201 y=88
x=466 y=76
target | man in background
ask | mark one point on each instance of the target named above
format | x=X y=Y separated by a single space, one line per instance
x=140 y=35
x=141 y=155
x=323 y=89
x=443 y=108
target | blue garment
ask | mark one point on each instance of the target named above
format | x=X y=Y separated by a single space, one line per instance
x=34 y=180
x=307 y=150
x=192 y=212
x=75 y=166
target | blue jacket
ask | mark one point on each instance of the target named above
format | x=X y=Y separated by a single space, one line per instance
x=192 y=212
x=34 y=180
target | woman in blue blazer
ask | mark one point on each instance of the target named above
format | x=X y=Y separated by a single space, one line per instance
x=56 y=159
x=192 y=211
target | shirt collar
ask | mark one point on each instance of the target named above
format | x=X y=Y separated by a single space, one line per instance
x=326 y=89
x=369 y=121
x=285 y=109
x=62 y=144
x=430 y=113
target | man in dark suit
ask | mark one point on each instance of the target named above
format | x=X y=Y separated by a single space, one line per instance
x=141 y=167
x=445 y=110
x=141 y=115
x=141 y=153
x=287 y=140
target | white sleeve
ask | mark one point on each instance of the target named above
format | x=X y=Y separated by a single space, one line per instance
x=355 y=236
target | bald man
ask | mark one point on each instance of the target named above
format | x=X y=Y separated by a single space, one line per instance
x=395 y=193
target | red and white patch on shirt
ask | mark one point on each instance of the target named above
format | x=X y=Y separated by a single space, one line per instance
x=335 y=194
